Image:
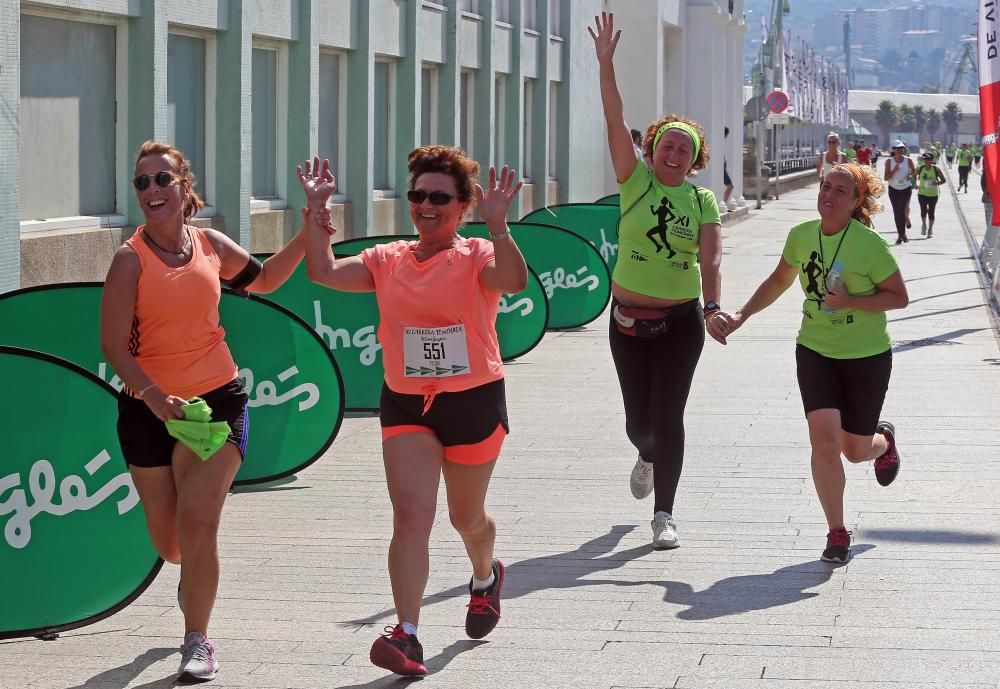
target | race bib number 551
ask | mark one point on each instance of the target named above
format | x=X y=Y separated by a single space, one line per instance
x=435 y=352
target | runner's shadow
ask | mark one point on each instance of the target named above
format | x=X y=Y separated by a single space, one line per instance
x=736 y=595
x=433 y=665
x=560 y=571
x=124 y=675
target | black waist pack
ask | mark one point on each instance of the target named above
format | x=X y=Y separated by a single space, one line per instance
x=648 y=323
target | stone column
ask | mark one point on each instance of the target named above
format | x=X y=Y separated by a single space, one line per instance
x=303 y=103
x=705 y=99
x=10 y=186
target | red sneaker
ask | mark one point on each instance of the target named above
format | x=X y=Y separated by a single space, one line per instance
x=398 y=652
x=838 y=546
x=887 y=466
x=484 y=606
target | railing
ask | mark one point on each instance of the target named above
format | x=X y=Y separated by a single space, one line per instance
x=790 y=165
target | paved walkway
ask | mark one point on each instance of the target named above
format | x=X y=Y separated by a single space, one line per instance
x=744 y=603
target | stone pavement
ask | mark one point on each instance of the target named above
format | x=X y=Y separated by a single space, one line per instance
x=745 y=602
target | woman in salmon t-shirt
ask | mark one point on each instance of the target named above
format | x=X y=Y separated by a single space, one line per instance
x=160 y=331
x=443 y=408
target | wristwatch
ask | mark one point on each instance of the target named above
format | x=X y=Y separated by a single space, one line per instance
x=711 y=306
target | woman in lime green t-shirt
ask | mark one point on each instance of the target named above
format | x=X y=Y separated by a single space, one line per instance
x=670 y=245
x=843 y=354
x=929 y=178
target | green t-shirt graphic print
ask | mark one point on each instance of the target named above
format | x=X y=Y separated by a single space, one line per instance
x=863 y=260
x=658 y=236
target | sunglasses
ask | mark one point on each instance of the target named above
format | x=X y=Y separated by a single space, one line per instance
x=437 y=198
x=163 y=179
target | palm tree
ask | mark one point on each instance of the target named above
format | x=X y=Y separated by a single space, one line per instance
x=885 y=118
x=919 y=119
x=933 y=123
x=904 y=119
x=952 y=115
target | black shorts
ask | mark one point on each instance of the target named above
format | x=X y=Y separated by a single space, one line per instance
x=727 y=181
x=470 y=424
x=856 y=387
x=144 y=439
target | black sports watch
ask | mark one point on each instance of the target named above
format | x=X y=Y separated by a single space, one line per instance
x=711 y=306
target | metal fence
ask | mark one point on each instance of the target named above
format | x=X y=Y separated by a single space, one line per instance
x=787 y=166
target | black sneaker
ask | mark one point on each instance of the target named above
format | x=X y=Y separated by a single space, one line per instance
x=484 y=606
x=398 y=652
x=887 y=466
x=838 y=546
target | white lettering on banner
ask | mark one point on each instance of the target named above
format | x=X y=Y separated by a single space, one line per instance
x=364 y=339
x=606 y=248
x=558 y=278
x=72 y=496
x=266 y=394
x=525 y=304
x=114 y=381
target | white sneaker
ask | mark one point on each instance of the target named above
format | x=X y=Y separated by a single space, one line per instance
x=198 y=663
x=664 y=531
x=641 y=482
x=731 y=205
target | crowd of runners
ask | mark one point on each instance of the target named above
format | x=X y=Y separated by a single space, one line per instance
x=438 y=298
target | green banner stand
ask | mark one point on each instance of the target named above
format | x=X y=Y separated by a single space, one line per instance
x=610 y=200
x=596 y=223
x=74 y=547
x=575 y=278
x=296 y=393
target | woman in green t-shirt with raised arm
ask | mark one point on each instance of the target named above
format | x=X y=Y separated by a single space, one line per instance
x=843 y=353
x=669 y=248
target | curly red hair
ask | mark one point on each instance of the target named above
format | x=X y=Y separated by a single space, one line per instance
x=448 y=160
x=698 y=163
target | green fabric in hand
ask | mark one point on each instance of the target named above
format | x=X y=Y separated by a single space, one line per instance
x=197 y=430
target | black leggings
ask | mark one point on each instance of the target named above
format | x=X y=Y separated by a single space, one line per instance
x=655 y=377
x=927 y=204
x=963 y=176
x=900 y=199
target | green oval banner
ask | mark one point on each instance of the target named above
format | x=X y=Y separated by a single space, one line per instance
x=74 y=546
x=610 y=200
x=597 y=223
x=296 y=391
x=574 y=277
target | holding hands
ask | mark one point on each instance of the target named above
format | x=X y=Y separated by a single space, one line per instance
x=494 y=201
x=606 y=39
x=319 y=185
x=720 y=324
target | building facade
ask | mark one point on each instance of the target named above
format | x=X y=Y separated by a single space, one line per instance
x=249 y=88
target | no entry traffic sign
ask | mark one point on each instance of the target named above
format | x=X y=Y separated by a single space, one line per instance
x=777 y=101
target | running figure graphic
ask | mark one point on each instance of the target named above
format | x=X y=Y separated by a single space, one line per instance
x=813 y=270
x=664 y=214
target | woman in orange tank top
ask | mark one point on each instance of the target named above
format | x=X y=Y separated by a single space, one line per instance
x=160 y=332
x=443 y=408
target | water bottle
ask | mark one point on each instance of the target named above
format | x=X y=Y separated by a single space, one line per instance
x=833 y=282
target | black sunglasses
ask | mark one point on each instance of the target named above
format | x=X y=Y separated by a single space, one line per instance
x=437 y=198
x=163 y=178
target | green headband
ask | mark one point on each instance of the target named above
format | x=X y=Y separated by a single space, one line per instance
x=687 y=129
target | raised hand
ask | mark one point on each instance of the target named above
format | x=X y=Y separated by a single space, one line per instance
x=494 y=201
x=317 y=181
x=606 y=39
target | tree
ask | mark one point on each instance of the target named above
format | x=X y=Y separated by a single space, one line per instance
x=933 y=123
x=904 y=119
x=885 y=118
x=919 y=119
x=952 y=115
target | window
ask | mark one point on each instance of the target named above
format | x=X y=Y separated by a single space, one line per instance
x=428 y=113
x=466 y=109
x=471 y=6
x=186 y=101
x=499 y=133
x=554 y=28
x=264 y=123
x=553 y=128
x=383 y=125
x=502 y=11
x=529 y=15
x=68 y=95
x=329 y=112
x=526 y=129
